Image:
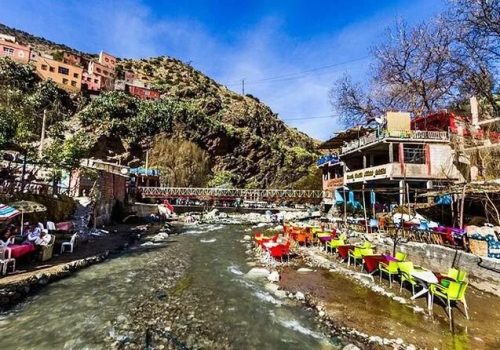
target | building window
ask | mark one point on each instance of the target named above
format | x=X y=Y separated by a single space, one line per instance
x=51 y=69
x=63 y=70
x=75 y=75
x=98 y=70
x=414 y=154
x=65 y=81
x=44 y=67
x=7 y=51
x=73 y=83
x=96 y=81
x=106 y=59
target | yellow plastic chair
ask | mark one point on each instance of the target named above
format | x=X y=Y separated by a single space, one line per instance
x=400 y=256
x=405 y=269
x=390 y=270
x=455 y=291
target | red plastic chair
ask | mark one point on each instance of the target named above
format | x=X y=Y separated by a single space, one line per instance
x=276 y=252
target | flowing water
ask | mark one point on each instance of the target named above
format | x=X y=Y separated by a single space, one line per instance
x=78 y=312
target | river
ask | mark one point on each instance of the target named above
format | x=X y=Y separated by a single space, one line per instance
x=84 y=311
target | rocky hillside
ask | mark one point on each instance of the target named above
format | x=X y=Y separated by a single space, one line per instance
x=241 y=139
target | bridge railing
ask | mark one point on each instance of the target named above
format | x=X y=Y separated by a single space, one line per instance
x=253 y=194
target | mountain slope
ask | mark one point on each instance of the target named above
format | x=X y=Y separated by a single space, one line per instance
x=243 y=140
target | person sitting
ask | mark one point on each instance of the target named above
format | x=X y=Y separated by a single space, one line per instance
x=34 y=234
x=44 y=238
x=8 y=237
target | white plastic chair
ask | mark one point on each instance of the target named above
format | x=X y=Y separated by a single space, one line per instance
x=69 y=244
x=5 y=260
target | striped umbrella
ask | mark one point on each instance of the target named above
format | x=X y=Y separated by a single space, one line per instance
x=7 y=213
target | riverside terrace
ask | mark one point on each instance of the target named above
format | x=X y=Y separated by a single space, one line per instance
x=389 y=159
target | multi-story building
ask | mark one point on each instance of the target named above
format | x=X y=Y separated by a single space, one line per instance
x=389 y=159
x=17 y=52
x=67 y=76
x=103 y=71
x=75 y=59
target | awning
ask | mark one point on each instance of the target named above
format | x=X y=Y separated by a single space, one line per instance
x=8 y=213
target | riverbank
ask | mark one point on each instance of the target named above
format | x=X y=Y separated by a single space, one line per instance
x=344 y=299
x=30 y=278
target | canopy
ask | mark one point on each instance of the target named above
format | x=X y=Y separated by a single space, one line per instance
x=28 y=207
x=338 y=197
x=7 y=213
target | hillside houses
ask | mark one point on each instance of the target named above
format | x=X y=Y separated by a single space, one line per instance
x=74 y=72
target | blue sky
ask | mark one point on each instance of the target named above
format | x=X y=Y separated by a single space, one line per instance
x=276 y=46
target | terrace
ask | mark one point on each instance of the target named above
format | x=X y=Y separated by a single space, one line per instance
x=382 y=136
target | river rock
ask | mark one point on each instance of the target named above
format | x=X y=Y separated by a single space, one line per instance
x=281 y=294
x=247 y=238
x=350 y=347
x=162 y=236
x=271 y=287
x=274 y=276
x=304 y=269
x=258 y=272
x=300 y=296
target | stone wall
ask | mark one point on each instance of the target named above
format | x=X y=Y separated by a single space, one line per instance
x=484 y=273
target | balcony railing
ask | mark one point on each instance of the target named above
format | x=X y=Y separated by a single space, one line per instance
x=403 y=135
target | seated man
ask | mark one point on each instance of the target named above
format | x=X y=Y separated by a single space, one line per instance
x=8 y=236
x=34 y=234
x=44 y=238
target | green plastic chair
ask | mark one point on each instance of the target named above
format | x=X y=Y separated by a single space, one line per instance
x=355 y=254
x=405 y=269
x=334 y=243
x=462 y=276
x=455 y=291
x=390 y=269
x=366 y=244
x=452 y=274
x=400 y=256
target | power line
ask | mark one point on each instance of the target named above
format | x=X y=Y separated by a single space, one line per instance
x=298 y=75
x=307 y=118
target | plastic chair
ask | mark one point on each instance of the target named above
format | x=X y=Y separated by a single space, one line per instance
x=462 y=275
x=70 y=244
x=5 y=260
x=400 y=256
x=405 y=269
x=355 y=254
x=335 y=243
x=455 y=291
x=389 y=269
x=452 y=274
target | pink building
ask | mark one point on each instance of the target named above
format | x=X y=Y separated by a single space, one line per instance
x=9 y=48
x=107 y=60
x=93 y=82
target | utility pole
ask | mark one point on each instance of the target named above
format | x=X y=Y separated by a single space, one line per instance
x=42 y=137
x=243 y=86
x=147 y=162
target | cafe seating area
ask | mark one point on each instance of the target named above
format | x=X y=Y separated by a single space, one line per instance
x=449 y=288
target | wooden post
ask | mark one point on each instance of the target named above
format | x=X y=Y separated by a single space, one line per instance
x=364 y=208
x=462 y=200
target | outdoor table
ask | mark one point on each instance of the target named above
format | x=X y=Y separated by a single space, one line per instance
x=426 y=278
x=343 y=250
x=371 y=262
x=64 y=226
x=19 y=250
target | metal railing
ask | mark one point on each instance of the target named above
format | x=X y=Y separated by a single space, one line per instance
x=403 y=135
x=229 y=193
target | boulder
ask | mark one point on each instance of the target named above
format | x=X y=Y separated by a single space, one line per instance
x=300 y=296
x=304 y=269
x=258 y=272
x=350 y=347
x=247 y=238
x=274 y=276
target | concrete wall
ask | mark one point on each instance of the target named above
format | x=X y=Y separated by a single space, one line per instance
x=484 y=273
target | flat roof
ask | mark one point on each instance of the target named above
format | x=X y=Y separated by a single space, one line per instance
x=341 y=137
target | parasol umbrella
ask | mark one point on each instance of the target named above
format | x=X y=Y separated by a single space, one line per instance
x=28 y=207
x=7 y=213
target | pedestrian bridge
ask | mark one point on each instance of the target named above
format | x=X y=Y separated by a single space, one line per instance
x=231 y=193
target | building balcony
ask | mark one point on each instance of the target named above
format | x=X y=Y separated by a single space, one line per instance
x=331 y=184
x=395 y=136
x=400 y=171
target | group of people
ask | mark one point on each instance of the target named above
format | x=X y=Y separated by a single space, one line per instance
x=38 y=236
